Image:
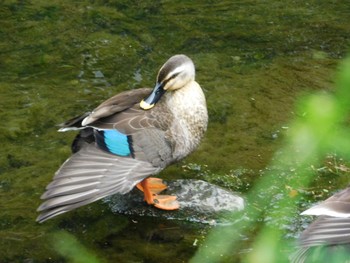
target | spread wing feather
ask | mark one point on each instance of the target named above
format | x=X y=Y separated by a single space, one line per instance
x=89 y=175
x=331 y=229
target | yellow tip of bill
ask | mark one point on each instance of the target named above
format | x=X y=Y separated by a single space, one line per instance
x=146 y=106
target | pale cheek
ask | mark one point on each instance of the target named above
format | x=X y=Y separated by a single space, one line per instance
x=174 y=84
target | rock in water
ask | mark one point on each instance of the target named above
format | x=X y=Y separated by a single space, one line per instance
x=199 y=202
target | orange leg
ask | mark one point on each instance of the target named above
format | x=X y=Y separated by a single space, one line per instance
x=154 y=184
x=151 y=187
x=145 y=184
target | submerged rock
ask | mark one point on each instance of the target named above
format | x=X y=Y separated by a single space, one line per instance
x=199 y=202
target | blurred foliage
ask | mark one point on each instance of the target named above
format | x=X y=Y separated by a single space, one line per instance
x=69 y=247
x=321 y=129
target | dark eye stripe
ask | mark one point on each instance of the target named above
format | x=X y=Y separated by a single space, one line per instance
x=172 y=77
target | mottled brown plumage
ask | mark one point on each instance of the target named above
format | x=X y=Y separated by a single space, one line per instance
x=129 y=137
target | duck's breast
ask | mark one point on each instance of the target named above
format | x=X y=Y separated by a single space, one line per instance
x=189 y=119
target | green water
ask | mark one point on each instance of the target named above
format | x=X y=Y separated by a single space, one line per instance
x=59 y=59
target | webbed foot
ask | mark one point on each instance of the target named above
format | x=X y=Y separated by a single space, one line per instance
x=151 y=187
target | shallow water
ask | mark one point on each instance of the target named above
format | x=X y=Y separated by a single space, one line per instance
x=59 y=59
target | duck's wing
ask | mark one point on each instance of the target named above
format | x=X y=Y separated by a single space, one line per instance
x=113 y=105
x=330 y=233
x=121 y=127
x=127 y=147
x=326 y=230
x=116 y=104
x=327 y=239
x=338 y=205
x=141 y=134
x=93 y=172
x=89 y=175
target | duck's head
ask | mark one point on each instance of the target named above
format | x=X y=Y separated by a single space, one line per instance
x=176 y=73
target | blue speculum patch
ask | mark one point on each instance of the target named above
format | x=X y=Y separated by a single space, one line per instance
x=115 y=142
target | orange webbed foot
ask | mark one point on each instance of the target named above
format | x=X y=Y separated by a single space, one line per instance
x=166 y=202
x=155 y=185
x=151 y=187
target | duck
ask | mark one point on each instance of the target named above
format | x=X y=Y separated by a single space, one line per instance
x=128 y=139
x=327 y=239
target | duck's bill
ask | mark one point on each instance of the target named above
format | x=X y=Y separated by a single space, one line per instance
x=153 y=98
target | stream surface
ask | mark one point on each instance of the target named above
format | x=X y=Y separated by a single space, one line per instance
x=58 y=59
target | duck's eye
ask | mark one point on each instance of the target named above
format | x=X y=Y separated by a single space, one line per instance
x=174 y=76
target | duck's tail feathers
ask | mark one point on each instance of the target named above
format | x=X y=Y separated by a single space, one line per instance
x=74 y=123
